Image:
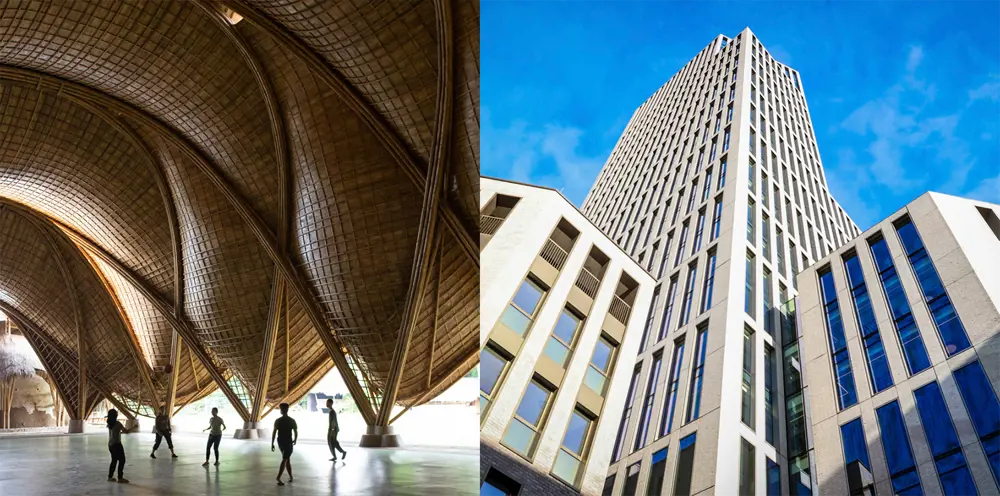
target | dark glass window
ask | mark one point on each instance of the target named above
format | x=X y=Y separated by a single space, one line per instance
x=709 y=286
x=878 y=364
x=669 y=310
x=499 y=484
x=898 y=454
x=716 y=218
x=773 y=478
x=943 y=312
x=770 y=417
x=631 y=479
x=657 y=472
x=685 y=464
x=902 y=318
x=694 y=397
x=647 y=406
x=984 y=410
x=746 y=405
x=688 y=300
x=673 y=379
x=623 y=424
x=852 y=434
x=847 y=394
x=748 y=290
x=722 y=174
x=947 y=451
x=747 y=468
x=609 y=486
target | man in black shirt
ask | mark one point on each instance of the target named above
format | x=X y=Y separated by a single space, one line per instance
x=284 y=426
x=331 y=435
x=162 y=429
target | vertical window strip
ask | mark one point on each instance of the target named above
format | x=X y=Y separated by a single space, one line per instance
x=747 y=404
x=626 y=414
x=697 y=371
x=843 y=376
x=946 y=320
x=647 y=406
x=670 y=406
x=709 y=286
x=852 y=435
x=688 y=294
x=984 y=410
x=902 y=318
x=668 y=310
x=898 y=454
x=949 y=460
x=871 y=339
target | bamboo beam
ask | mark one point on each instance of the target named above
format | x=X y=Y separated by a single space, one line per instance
x=267 y=358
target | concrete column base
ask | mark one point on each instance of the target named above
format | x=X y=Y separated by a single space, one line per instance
x=75 y=426
x=132 y=425
x=252 y=430
x=380 y=437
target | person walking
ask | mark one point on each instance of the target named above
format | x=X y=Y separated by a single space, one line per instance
x=115 y=429
x=217 y=425
x=331 y=435
x=284 y=426
x=162 y=429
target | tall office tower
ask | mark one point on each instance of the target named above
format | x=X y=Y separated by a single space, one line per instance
x=900 y=335
x=716 y=187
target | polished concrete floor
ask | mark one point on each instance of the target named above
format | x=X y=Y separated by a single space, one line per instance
x=78 y=464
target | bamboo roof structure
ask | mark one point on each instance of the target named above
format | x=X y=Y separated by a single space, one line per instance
x=241 y=194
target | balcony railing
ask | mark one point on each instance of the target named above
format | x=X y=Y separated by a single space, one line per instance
x=619 y=309
x=588 y=282
x=489 y=224
x=554 y=254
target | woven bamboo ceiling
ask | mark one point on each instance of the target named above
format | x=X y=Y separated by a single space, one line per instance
x=241 y=194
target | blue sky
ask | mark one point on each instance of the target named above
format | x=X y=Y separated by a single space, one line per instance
x=905 y=97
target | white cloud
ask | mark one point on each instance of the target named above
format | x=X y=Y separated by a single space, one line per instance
x=987 y=190
x=546 y=155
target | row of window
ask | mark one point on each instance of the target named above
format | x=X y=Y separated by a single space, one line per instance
x=945 y=319
x=949 y=455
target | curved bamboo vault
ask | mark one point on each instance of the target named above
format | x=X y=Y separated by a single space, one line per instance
x=241 y=195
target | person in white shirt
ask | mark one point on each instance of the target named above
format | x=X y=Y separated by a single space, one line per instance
x=216 y=425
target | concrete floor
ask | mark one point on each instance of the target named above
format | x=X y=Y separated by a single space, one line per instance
x=78 y=464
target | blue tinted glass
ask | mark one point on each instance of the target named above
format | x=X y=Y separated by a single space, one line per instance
x=773 y=478
x=660 y=455
x=984 y=409
x=855 y=447
x=878 y=365
x=948 y=457
x=913 y=347
x=854 y=274
x=930 y=283
x=533 y=403
x=898 y=454
x=688 y=441
x=883 y=260
x=527 y=297
x=908 y=237
x=488 y=489
x=828 y=287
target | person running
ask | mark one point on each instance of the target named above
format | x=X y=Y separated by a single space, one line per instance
x=284 y=426
x=331 y=435
x=115 y=429
x=217 y=425
x=162 y=429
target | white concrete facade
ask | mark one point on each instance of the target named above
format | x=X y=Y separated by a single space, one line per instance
x=964 y=251
x=665 y=154
x=513 y=253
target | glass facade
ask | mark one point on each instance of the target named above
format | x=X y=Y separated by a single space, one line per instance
x=902 y=317
x=647 y=406
x=667 y=421
x=657 y=472
x=685 y=465
x=898 y=454
x=852 y=434
x=698 y=369
x=948 y=324
x=847 y=395
x=875 y=359
x=984 y=410
x=943 y=441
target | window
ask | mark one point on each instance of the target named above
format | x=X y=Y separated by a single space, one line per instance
x=748 y=378
x=715 y=146
x=898 y=455
x=753 y=144
x=670 y=406
x=722 y=174
x=492 y=369
x=709 y=285
x=609 y=486
x=716 y=218
x=748 y=293
x=779 y=238
x=899 y=307
x=697 y=372
x=770 y=417
x=768 y=321
x=688 y=299
x=601 y=364
x=718 y=122
x=631 y=479
x=725 y=141
x=750 y=221
x=945 y=448
x=945 y=319
x=852 y=434
x=521 y=310
x=560 y=344
x=773 y=478
x=729 y=114
x=708 y=185
x=747 y=468
x=753 y=114
x=529 y=418
x=657 y=471
x=764 y=189
x=847 y=395
x=692 y=196
x=647 y=406
x=984 y=410
x=765 y=235
x=669 y=310
x=499 y=484
x=574 y=448
x=878 y=365
x=685 y=464
x=681 y=245
x=752 y=175
x=626 y=414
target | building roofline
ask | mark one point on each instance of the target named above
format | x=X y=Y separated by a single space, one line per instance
x=585 y=216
